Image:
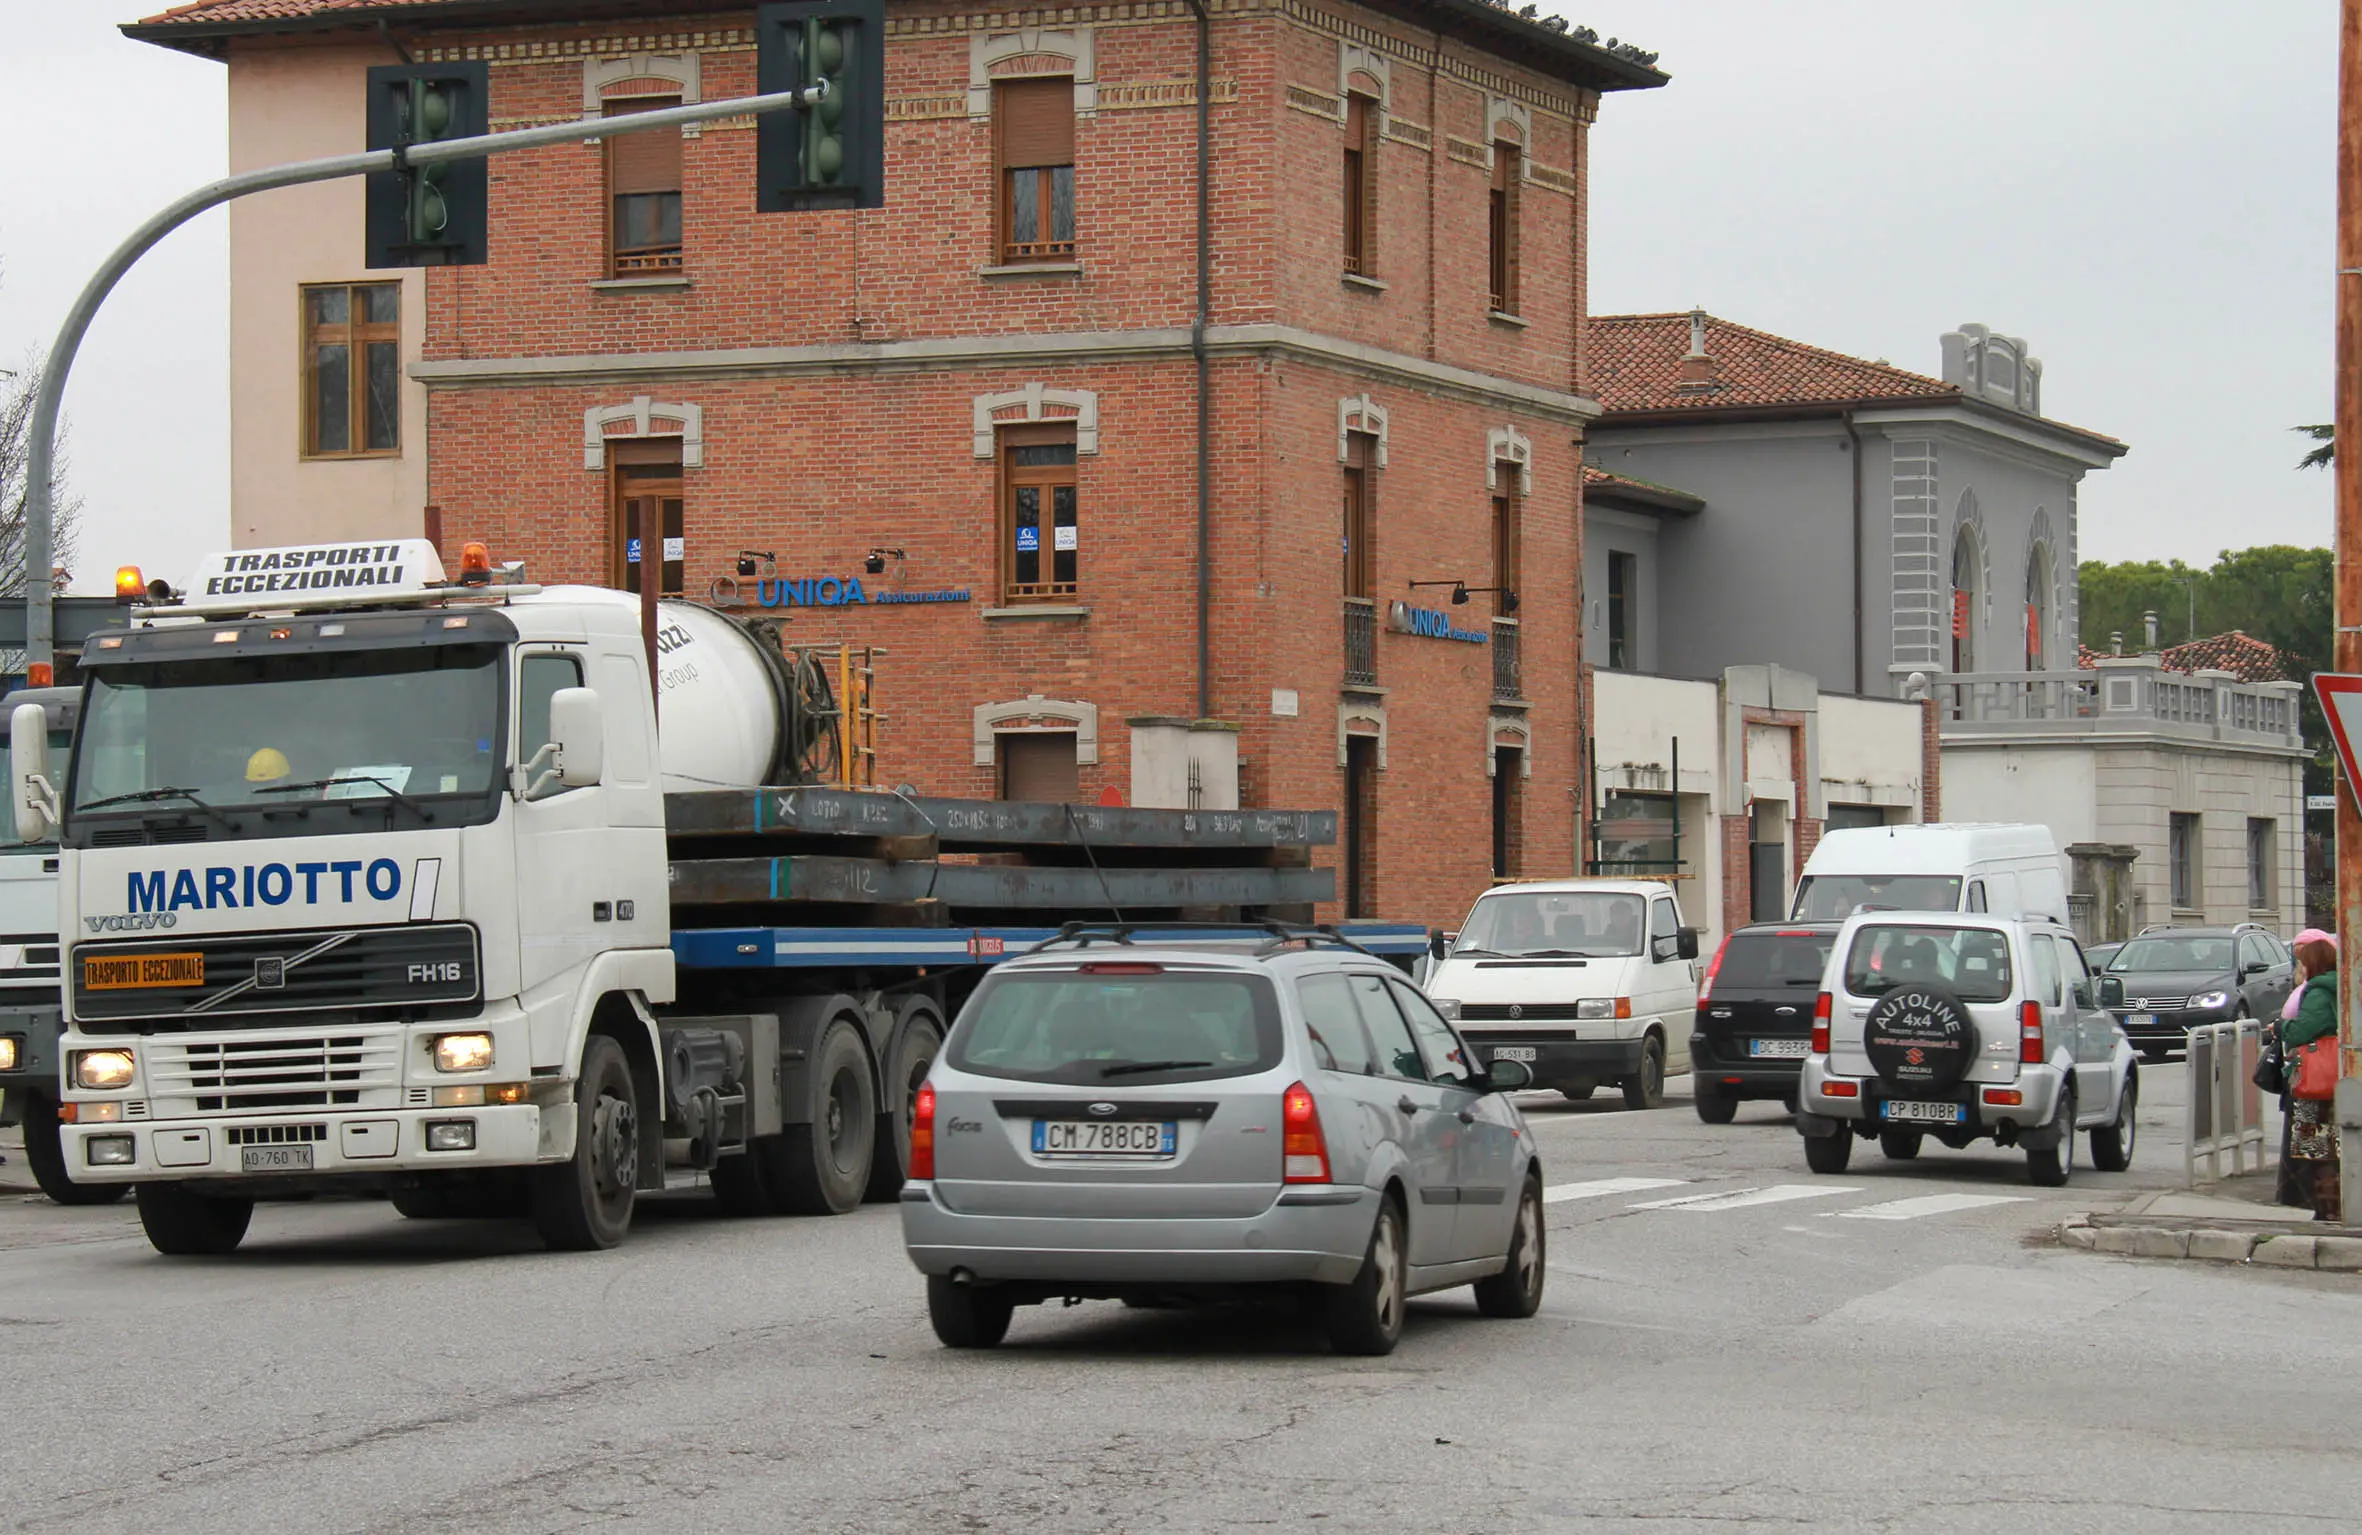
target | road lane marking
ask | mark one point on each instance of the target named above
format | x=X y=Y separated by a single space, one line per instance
x=1740 y=1199
x=1926 y=1205
x=1560 y=1193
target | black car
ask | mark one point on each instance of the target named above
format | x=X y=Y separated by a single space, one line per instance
x=2179 y=976
x=1755 y=1015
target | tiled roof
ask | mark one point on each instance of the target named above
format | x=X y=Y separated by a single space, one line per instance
x=2238 y=652
x=265 y=10
x=1635 y=365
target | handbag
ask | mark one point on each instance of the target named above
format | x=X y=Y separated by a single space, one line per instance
x=2271 y=1068
x=2316 y=1069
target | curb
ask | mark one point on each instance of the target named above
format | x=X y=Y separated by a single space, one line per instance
x=2341 y=1254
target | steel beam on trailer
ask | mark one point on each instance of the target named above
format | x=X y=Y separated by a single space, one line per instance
x=984 y=824
x=842 y=948
x=874 y=881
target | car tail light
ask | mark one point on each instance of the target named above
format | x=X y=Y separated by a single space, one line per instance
x=1821 y=1024
x=2030 y=1044
x=922 y=1134
x=1841 y=1089
x=2005 y=1097
x=1304 y=1153
x=1706 y=986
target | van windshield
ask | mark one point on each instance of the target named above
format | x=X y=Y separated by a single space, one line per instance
x=1586 y=924
x=1972 y=962
x=1834 y=897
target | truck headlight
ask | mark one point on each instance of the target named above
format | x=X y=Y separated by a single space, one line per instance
x=108 y=1150
x=101 y=1070
x=10 y=1047
x=1596 y=1007
x=463 y=1052
x=1448 y=1006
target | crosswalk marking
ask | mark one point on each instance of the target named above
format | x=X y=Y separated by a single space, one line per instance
x=1560 y=1193
x=1739 y=1199
x=1927 y=1204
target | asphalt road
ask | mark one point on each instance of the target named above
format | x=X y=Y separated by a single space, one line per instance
x=1727 y=1340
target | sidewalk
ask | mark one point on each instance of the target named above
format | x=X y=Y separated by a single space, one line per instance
x=2235 y=1221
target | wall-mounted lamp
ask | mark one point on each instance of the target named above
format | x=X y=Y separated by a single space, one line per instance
x=748 y=557
x=875 y=564
x=1462 y=591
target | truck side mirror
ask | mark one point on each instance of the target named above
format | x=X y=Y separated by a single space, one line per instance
x=1687 y=940
x=30 y=793
x=577 y=736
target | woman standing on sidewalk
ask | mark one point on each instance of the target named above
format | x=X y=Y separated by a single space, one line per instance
x=2312 y=1129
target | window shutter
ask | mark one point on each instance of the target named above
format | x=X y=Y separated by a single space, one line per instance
x=1035 y=119
x=1508 y=171
x=1040 y=767
x=644 y=162
x=1373 y=118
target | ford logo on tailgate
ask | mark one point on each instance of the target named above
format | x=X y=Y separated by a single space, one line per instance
x=1102 y=1108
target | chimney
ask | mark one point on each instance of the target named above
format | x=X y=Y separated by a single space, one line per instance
x=2116 y=642
x=2149 y=630
x=1698 y=370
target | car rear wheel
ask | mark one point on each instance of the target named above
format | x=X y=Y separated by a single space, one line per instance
x=1829 y=1153
x=1645 y=1088
x=1365 y=1315
x=1580 y=1092
x=2111 y=1145
x=2051 y=1167
x=1899 y=1145
x=966 y=1315
x=1716 y=1108
x=1516 y=1291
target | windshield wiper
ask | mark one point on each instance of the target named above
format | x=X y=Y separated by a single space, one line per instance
x=1128 y=1068
x=1554 y=954
x=1470 y=948
x=418 y=807
x=149 y=796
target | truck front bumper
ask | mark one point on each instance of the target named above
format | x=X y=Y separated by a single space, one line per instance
x=359 y=1142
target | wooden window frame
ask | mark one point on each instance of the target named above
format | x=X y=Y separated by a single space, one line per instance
x=1359 y=515
x=356 y=337
x=1363 y=115
x=640 y=260
x=1048 y=478
x=1010 y=251
x=623 y=458
x=1504 y=205
x=1623 y=610
x=1508 y=539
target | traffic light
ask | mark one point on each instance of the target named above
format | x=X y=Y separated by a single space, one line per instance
x=426 y=215
x=833 y=154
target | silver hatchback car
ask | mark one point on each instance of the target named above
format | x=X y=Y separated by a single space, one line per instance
x=1124 y=1114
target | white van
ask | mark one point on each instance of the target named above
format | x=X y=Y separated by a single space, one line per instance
x=1587 y=981
x=2009 y=870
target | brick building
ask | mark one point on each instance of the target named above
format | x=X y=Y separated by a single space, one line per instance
x=989 y=426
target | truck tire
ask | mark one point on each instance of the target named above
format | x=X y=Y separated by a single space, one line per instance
x=47 y=1154
x=1645 y=1088
x=584 y=1203
x=822 y=1167
x=1365 y=1315
x=966 y=1315
x=182 y=1224
x=907 y=1063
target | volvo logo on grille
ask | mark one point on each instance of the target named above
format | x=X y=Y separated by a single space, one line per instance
x=270 y=973
x=1102 y=1108
x=1516 y=1010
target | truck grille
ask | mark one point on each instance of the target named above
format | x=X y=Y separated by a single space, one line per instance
x=274 y=1135
x=305 y=1072
x=198 y=980
x=1517 y=1012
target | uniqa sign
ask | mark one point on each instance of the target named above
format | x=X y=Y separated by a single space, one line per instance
x=1430 y=623
x=830 y=592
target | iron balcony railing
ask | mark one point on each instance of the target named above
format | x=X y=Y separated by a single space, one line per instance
x=1361 y=641
x=1508 y=683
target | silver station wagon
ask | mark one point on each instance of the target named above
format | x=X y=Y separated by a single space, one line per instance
x=1126 y=1114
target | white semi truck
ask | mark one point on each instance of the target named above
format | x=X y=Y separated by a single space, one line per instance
x=373 y=880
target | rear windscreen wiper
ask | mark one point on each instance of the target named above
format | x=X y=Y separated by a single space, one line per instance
x=149 y=796
x=392 y=793
x=1128 y=1068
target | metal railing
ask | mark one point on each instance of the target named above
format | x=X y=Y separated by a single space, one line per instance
x=2226 y=1109
x=2121 y=697
x=1361 y=641
x=1508 y=681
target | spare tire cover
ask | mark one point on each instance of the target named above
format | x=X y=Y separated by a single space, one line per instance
x=1920 y=1038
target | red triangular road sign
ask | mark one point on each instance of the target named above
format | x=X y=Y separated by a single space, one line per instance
x=2341 y=704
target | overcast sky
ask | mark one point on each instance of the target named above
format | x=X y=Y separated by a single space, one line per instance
x=2143 y=189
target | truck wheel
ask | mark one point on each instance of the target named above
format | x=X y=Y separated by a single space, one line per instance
x=1900 y=1145
x=585 y=1203
x=1516 y=1291
x=822 y=1166
x=1365 y=1315
x=1716 y=1108
x=1829 y=1153
x=966 y=1315
x=181 y=1224
x=1578 y=1092
x=47 y=1154
x=1645 y=1088
x=425 y=1203
x=2052 y=1168
x=906 y=1070
x=2111 y=1145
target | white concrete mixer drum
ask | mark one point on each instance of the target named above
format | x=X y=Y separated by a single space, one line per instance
x=717 y=702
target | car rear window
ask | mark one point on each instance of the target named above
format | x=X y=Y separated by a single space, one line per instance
x=1118 y=1024
x=1774 y=961
x=1972 y=962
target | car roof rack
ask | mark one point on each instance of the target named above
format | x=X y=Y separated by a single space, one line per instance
x=1277 y=935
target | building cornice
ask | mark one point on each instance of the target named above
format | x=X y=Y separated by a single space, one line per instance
x=937 y=353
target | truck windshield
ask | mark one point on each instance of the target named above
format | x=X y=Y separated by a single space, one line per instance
x=281 y=732
x=1833 y=897
x=1586 y=924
